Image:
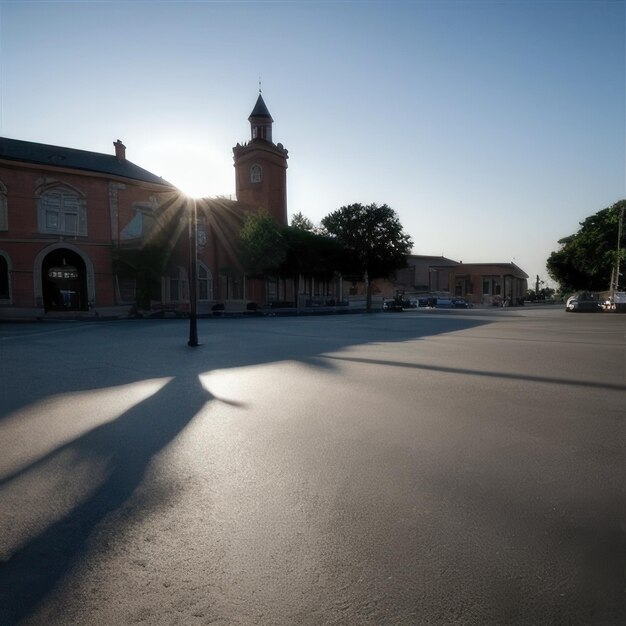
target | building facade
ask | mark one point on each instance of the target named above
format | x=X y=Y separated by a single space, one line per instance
x=85 y=233
x=63 y=211
x=490 y=284
x=484 y=284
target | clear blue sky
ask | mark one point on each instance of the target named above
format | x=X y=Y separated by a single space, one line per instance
x=491 y=127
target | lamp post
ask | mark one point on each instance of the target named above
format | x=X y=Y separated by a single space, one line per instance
x=193 y=275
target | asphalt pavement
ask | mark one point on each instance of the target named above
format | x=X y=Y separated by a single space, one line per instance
x=425 y=467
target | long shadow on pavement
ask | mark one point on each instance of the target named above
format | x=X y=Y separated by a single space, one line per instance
x=126 y=445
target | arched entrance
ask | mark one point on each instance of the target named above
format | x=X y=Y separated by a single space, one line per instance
x=64 y=281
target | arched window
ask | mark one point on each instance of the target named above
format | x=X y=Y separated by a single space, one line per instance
x=205 y=282
x=256 y=173
x=62 y=210
x=5 y=283
x=4 y=210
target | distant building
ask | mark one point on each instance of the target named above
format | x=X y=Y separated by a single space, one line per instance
x=489 y=284
x=426 y=274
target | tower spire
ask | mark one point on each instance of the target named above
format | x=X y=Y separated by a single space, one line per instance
x=261 y=120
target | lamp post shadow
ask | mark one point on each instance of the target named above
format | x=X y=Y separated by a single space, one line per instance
x=128 y=444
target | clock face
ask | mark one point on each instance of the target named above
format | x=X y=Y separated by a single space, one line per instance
x=255 y=174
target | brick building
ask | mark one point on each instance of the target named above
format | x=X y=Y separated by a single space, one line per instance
x=486 y=284
x=61 y=212
x=489 y=284
x=85 y=233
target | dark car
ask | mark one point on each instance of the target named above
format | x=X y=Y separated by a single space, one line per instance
x=459 y=303
x=394 y=304
x=583 y=302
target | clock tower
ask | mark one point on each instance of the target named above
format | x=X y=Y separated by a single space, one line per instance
x=261 y=167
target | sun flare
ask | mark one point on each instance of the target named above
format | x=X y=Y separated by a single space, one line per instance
x=199 y=170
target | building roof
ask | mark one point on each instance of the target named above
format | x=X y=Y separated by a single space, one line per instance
x=491 y=268
x=38 y=153
x=260 y=110
x=442 y=260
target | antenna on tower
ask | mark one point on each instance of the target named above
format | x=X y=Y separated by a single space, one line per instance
x=259 y=84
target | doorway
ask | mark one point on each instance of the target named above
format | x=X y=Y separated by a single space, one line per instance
x=64 y=281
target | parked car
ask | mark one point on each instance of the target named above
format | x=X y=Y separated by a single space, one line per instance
x=392 y=304
x=583 y=302
x=459 y=303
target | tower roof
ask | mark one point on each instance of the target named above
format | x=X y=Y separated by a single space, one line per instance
x=260 y=110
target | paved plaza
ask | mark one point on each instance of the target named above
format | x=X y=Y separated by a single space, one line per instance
x=425 y=467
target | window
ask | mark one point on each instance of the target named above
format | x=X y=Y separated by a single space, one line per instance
x=256 y=173
x=62 y=211
x=259 y=132
x=205 y=283
x=4 y=214
x=4 y=279
x=127 y=288
x=175 y=287
x=231 y=286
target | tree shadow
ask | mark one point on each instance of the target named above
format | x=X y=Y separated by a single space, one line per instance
x=125 y=446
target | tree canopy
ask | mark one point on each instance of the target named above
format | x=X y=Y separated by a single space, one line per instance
x=587 y=258
x=298 y=220
x=287 y=251
x=357 y=240
x=374 y=237
x=261 y=244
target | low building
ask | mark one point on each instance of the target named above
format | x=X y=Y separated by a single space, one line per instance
x=487 y=284
x=490 y=284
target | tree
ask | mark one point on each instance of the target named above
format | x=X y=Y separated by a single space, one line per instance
x=587 y=258
x=309 y=254
x=261 y=244
x=545 y=293
x=302 y=222
x=374 y=239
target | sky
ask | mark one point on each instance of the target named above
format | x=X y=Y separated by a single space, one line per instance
x=492 y=128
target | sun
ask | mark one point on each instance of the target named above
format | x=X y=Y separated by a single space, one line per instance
x=194 y=167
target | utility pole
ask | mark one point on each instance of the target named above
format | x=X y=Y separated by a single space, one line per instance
x=615 y=272
x=193 y=275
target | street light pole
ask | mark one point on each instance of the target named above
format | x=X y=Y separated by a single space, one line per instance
x=193 y=275
x=615 y=273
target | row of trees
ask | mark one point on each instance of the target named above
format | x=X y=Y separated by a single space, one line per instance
x=589 y=259
x=364 y=241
